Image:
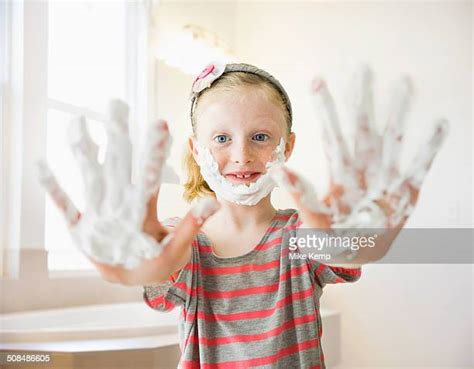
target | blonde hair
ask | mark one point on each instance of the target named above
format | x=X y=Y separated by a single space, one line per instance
x=195 y=185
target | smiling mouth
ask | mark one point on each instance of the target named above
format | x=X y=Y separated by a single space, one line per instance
x=243 y=178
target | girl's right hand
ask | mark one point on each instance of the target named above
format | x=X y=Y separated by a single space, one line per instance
x=119 y=230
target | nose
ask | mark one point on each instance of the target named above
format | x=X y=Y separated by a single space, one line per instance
x=242 y=152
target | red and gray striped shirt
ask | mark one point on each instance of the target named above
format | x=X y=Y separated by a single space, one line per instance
x=260 y=309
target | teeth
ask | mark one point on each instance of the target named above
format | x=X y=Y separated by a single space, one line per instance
x=243 y=176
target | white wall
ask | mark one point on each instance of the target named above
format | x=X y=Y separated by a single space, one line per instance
x=397 y=315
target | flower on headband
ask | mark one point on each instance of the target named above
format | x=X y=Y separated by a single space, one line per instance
x=207 y=76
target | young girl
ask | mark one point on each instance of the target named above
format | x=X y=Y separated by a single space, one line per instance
x=244 y=301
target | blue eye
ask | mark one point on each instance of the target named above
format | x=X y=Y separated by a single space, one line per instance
x=261 y=137
x=221 y=138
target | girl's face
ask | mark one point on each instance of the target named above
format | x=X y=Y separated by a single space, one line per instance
x=241 y=128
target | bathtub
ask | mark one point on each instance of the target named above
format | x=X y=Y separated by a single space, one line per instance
x=90 y=322
x=126 y=335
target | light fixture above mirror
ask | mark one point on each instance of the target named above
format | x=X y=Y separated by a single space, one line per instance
x=192 y=48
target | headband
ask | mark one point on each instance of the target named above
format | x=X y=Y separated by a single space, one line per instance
x=214 y=70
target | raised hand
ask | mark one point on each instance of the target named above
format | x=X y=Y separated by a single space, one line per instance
x=367 y=189
x=119 y=225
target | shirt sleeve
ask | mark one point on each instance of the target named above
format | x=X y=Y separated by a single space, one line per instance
x=323 y=274
x=176 y=290
x=326 y=274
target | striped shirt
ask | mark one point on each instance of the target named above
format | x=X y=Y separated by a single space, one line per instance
x=260 y=309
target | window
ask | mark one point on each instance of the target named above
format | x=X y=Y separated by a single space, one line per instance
x=87 y=65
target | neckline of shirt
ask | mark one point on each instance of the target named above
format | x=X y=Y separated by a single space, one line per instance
x=250 y=253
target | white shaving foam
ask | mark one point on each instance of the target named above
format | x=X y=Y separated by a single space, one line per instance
x=378 y=156
x=242 y=194
x=302 y=186
x=204 y=208
x=112 y=232
x=340 y=161
x=61 y=200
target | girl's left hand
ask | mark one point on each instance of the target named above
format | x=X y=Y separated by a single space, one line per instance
x=367 y=189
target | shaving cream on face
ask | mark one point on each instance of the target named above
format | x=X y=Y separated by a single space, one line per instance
x=241 y=194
